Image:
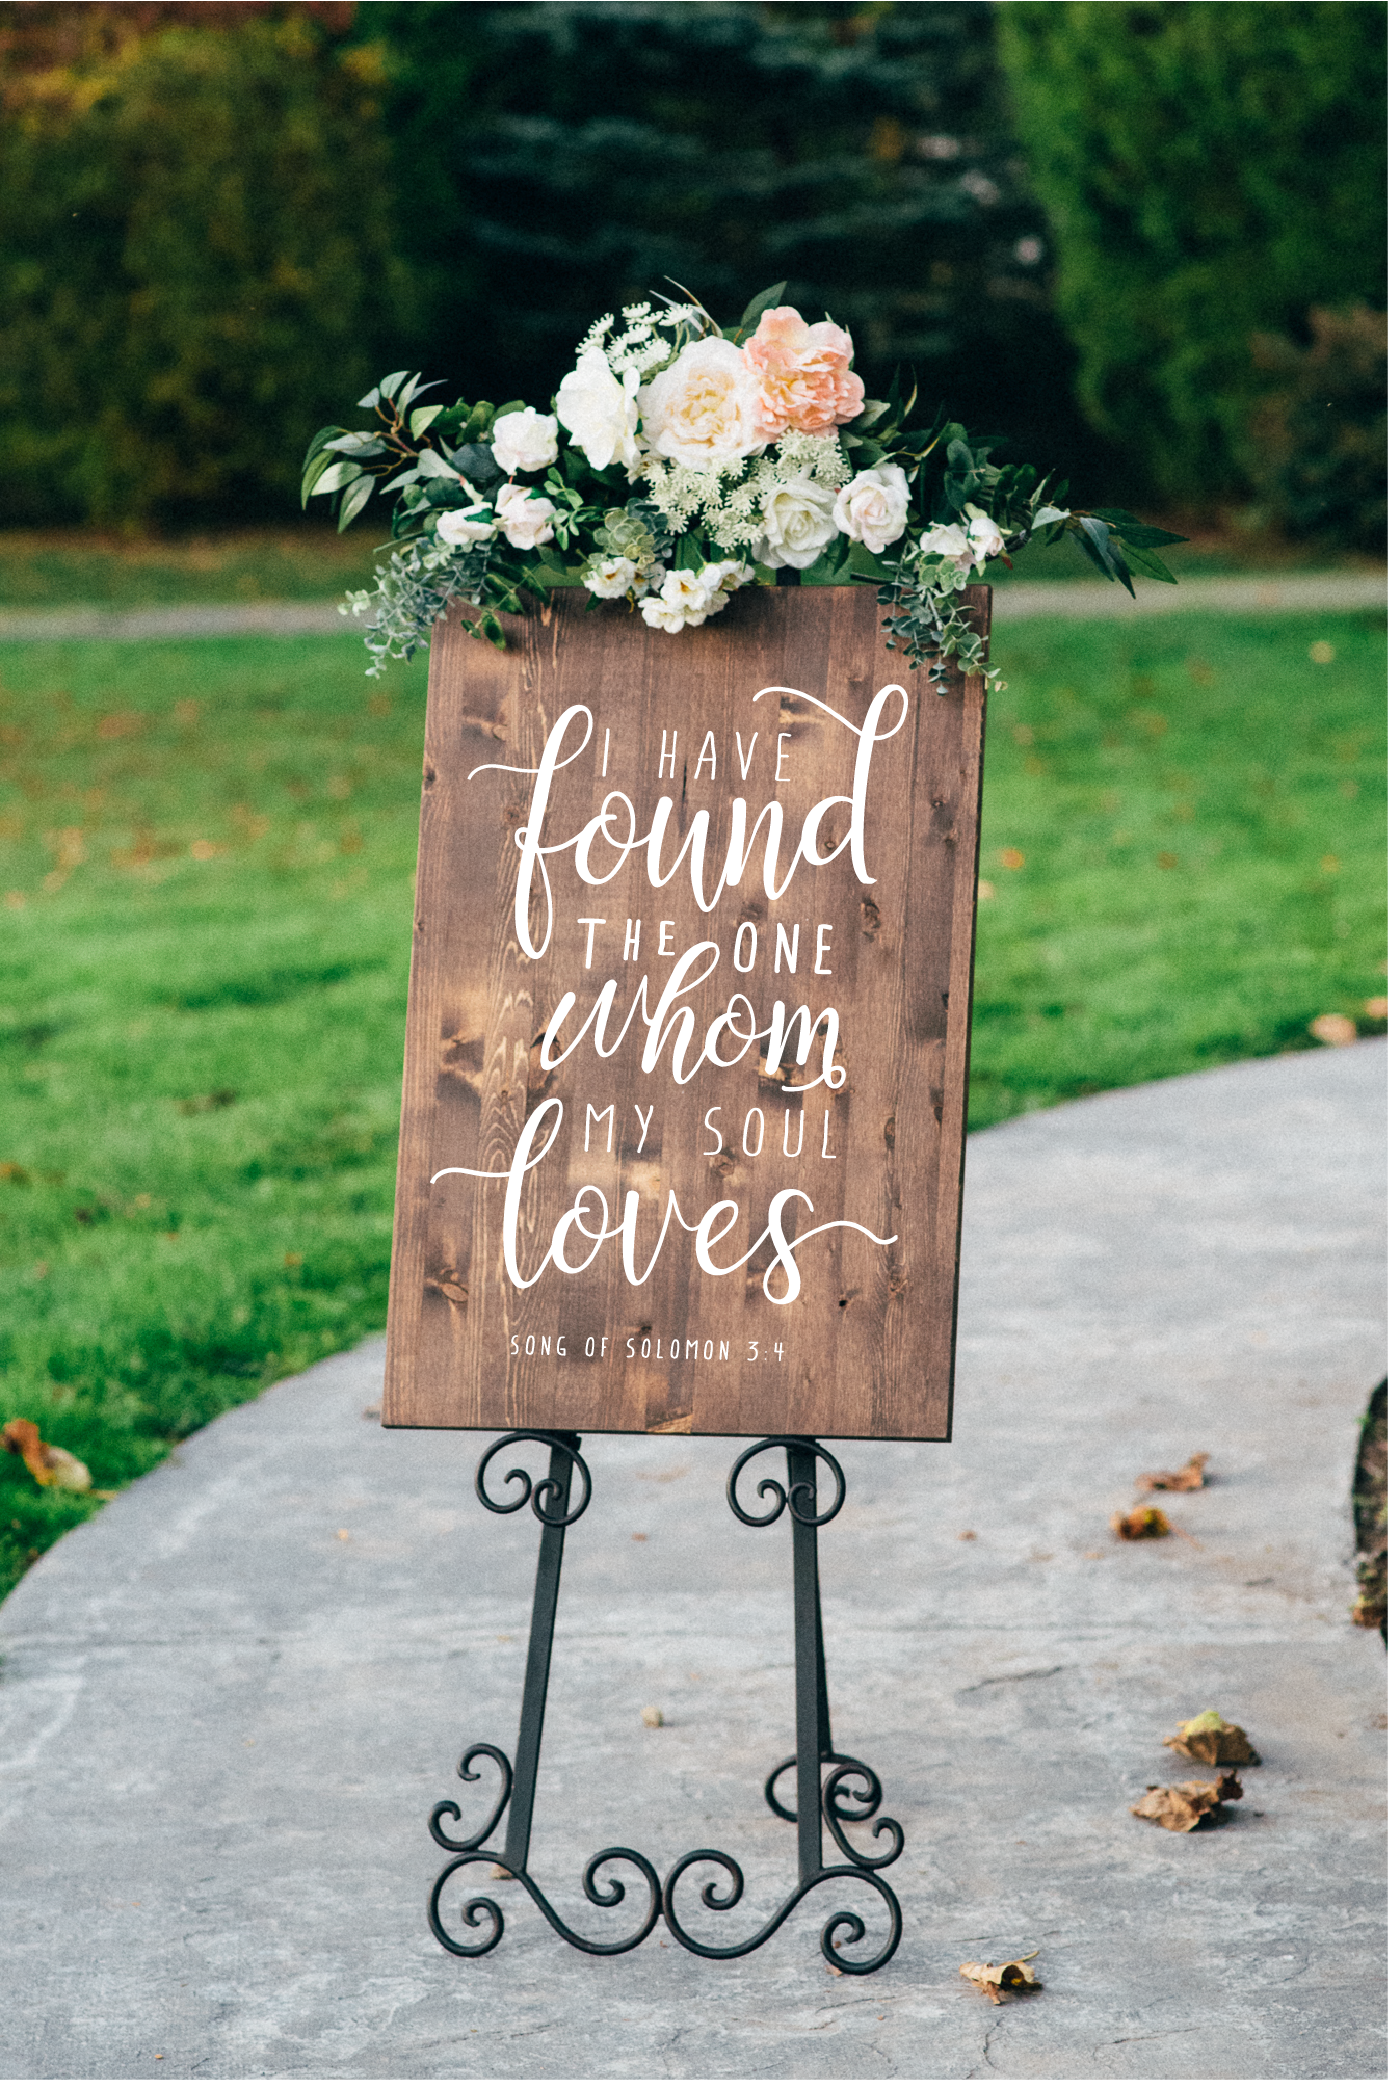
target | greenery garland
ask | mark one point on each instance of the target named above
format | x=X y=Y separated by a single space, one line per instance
x=681 y=462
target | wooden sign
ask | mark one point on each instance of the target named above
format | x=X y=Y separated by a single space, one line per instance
x=686 y=1061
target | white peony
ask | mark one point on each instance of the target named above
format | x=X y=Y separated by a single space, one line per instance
x=612 y=578
x=797 y=521
x=702 y=409
x=600 y=412
x=525 y=440
x=872 y=509
x=985 y=536
x=459 y=529
x=525 y=520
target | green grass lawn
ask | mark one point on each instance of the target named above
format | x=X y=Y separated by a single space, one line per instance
x=206 y=857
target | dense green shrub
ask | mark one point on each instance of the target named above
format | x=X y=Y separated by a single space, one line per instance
x=1317 y=441
x=194 y=259
x=1212 y=171
x=561 y=160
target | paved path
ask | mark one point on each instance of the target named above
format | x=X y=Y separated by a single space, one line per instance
x=1334 y=592
x=224 y=1721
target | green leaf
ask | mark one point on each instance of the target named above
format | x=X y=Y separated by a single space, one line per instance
x=477 y=464
x=1149 y=564
x=1136 y=532
x=504 y=411
x=863 y=564
x=1097 y=537
x=431 y=464
x=372 y=396
x=388 y=385
x=767 y=301
x=336 y=477
x=874 y=408
x=353 y=501
x=423 y=419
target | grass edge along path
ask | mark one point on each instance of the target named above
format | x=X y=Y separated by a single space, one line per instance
x=208 y=851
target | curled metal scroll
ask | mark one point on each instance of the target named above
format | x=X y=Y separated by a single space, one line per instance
x=801 y=1497
x=842 y=1926
x=537 y=1493
x=447 y=1809
x=482 y=1911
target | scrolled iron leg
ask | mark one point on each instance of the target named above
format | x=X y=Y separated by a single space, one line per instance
x=551 y=1501
x=851 y=1792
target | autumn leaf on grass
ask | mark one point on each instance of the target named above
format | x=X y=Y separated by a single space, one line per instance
x=50 y=1465
x=1208 y=1738
x=1181 y=1807
x=1140 y=1523
x=1191 y=1475
x=997 y=1980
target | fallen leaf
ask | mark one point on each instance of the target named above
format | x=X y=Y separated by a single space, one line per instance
x=1333 y=1029
x=1140 y=1523
x=1191 y=1475
x=651 y=1715
x=1208 y=1738
x=50 y=1465
x=1016 y=1976
x=1181 y=1807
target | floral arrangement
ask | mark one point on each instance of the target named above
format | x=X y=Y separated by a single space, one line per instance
x=680 y=463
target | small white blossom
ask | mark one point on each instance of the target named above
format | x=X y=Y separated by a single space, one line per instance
x=525 y=440
x=985 y=536
x=612 y=578
x=947 y=540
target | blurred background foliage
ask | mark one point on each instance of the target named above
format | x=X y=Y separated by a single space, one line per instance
x=1146 y=239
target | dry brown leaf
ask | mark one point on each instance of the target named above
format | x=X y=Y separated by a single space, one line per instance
x=997 y=1979
x=1181 y=1807
x=1148 y=1522
x=50 y=1465
x=1191 y=1475
x=1210 y=1739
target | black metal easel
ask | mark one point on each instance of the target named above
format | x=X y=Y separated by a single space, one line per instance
x=850 y=1792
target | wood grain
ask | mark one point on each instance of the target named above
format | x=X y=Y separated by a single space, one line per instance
x=867 y=1347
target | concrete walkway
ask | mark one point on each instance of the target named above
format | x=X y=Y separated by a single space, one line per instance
x=229 y=1702
x=1332 y=592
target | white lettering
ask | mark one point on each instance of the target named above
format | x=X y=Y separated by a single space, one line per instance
x=821 y=947
x=608 y=1114
x=592 y=924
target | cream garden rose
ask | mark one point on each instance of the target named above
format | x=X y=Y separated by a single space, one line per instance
x=600 y=412
x=798 y=522
x=702 y=409
x=525 y=440
x=873 y=508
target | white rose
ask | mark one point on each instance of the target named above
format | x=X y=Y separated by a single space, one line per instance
x=872 y=509
x=612 y=578
x=702 y=410
x=985 y=536
x=524 y=520
x=525 y=440
x=798 y=518
x=945 y=539
x=600 y=412
x=474 y=525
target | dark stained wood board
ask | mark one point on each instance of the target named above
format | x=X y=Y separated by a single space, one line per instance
x=486 y=1331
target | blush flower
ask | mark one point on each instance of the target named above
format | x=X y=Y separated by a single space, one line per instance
x=803 y=374
x=702 y=409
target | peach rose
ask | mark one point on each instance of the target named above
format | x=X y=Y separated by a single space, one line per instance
x=802 y=373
